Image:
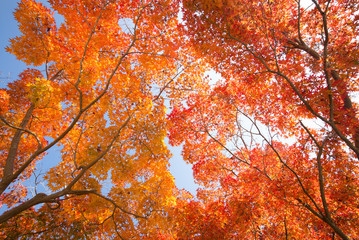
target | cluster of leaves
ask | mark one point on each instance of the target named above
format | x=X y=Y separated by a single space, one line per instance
x=105 y=72
x=274 y=144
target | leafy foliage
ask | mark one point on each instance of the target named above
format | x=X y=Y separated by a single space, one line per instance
x=274 y=143
x=284 y=65
x=100 y=97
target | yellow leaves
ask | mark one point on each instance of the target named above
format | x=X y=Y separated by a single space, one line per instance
x=40 y=92
x=88 y=105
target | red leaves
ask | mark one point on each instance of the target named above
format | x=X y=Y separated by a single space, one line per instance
x=263 y=172
x=281 y=63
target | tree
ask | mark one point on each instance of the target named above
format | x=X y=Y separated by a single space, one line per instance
x=96 y=89
x=275 y=142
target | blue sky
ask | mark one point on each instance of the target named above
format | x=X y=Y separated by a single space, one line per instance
x=10 y=68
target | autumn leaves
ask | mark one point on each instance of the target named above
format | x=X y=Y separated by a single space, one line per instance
x=102 y=95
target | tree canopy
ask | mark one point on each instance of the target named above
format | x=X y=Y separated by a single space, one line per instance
x=274 y=142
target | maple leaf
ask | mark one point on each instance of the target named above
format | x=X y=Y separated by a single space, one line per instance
x=98 y=100
x=248 y=137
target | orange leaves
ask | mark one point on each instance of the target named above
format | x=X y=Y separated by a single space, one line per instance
x=16 y=195
x=4 y=101
x=102 y=99
x=280 y=64
x=19 y=90
x=108 y=73
x=37 y=25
